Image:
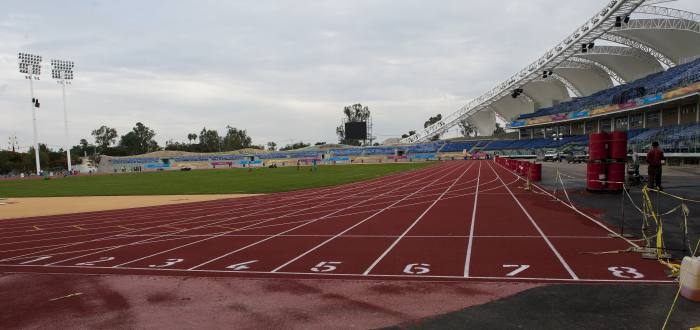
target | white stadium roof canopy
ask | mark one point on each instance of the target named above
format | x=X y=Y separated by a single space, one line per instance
x=641 y=37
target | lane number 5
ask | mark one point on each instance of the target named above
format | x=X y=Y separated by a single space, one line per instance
x=325 y=266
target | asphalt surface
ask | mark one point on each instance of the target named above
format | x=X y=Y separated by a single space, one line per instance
x=679 y=181
x=573 y=307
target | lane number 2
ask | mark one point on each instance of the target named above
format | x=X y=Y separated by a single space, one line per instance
x=168 y=263
x=35 y=259
x=518 y=269
x=326 y=266
x=625 y=272
x=417 y=269
x=92 y=263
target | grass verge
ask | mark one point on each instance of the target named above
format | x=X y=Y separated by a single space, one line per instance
x=228 y=181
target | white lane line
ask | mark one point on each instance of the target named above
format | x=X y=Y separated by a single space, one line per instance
x=260 y=211
x=597 y=222
x=374 y=264
x=468 y=260
x=321 y=275
x=357 y=224
x=539 y=230
x=255 y=224
x=302 y=225
x=118 y=232
x=395 y=236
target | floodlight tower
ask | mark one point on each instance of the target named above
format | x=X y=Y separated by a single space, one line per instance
x=30 y=65
x=62 y=71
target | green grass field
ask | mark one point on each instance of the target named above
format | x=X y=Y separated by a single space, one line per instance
x=229 y=181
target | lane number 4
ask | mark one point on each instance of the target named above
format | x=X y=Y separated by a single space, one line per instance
x=242 y=265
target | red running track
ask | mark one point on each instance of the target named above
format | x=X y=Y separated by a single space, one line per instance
x=460 y=220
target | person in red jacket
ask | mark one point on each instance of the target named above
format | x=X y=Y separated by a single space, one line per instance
x=654 y=160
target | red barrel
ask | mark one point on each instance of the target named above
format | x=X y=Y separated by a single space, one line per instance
x=596 y=176
x=536 y=172
x=616 y=175
x=598 y=146
x=618 y=145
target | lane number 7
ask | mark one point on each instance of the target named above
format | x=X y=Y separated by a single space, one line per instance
x=518 y=269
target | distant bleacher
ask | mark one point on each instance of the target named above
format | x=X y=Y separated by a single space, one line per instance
x=458 y=146
x=653 y=84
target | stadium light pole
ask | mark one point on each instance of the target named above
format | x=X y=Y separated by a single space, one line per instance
x=62 y=71
x=30 y=65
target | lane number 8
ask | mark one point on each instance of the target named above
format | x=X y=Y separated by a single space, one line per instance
x=625 y=272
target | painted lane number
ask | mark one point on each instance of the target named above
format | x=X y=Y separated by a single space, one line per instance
x=518 y=269
x=242 y=265
x=35 y=260
x=325 y=266
x=92 y=263
x=625 y=272
x=168 y=263
x=417 y=269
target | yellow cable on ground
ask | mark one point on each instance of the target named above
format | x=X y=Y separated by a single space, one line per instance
x=675 y=299
x=673 y=306
x=649 y=209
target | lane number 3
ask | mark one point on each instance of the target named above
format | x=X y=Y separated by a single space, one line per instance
x=168 y=263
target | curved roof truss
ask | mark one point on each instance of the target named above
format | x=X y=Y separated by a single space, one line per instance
x=592 y=29
x=668 y=12
x=661 y=57
x=613 y=75
x=647 y=40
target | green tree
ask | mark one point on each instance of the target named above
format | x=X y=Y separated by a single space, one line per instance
x=139 y=140
x=499 y=130
x=353 y=113
x=104 y=136
x=407 y=135
x=295 y=146
x=209 y=140
x=236 y=139
x=430 y=121
x=271 y=146
x=192 y=137
x=467 y=128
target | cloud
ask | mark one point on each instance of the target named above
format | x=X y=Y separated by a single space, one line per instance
x=281 y=69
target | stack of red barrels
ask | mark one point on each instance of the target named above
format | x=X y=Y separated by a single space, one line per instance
x=606 y=161
x=526 y=169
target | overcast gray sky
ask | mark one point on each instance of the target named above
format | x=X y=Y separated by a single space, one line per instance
x=283 y=70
